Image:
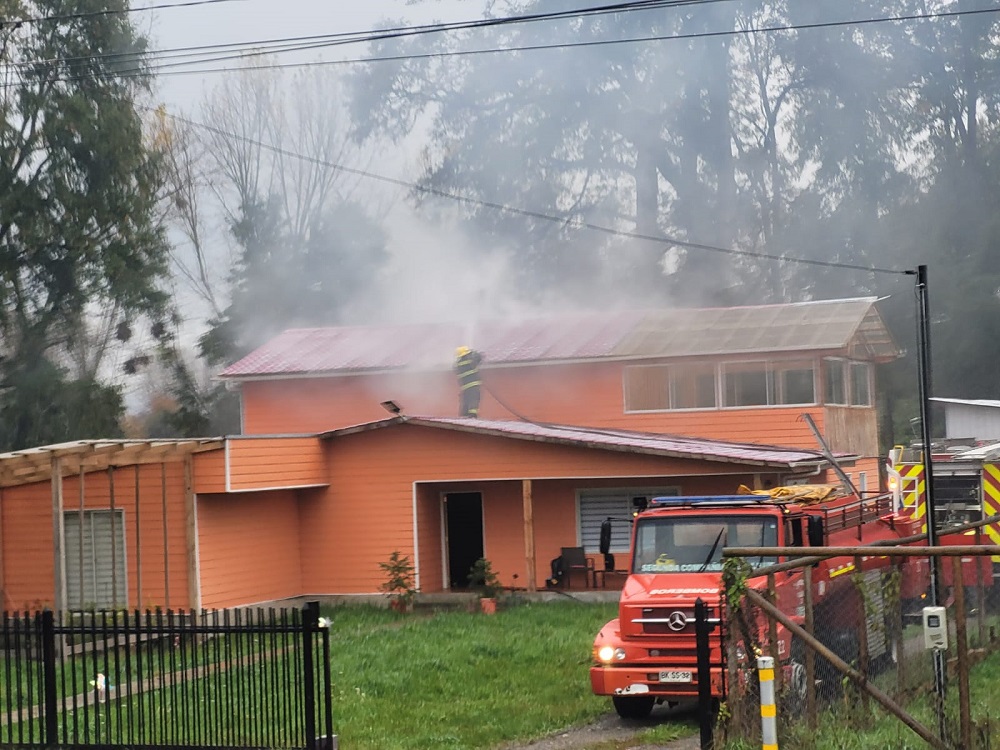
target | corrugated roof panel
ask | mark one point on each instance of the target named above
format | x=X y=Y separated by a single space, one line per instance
x=623 y=439
x=830 y=325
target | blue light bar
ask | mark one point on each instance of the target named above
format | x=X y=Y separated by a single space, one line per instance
x=709 y=500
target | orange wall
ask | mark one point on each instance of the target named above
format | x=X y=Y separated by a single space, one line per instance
x=583 y=394
x=368 y=511
x=270 y=463
x=27 y=548
x=249 y=548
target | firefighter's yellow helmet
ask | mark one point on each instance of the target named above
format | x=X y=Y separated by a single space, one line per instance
x=462 y=351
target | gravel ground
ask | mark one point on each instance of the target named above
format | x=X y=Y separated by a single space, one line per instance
x=611 y=732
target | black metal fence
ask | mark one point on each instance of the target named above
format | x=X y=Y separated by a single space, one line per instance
x=242 y=678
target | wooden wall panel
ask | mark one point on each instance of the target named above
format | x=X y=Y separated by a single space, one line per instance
x=249 y=548
x=275 y=463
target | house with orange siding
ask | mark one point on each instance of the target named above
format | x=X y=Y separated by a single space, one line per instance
x=580 y=414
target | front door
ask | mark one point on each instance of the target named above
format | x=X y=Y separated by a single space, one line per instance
x=463 y=513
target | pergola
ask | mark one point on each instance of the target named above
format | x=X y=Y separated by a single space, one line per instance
x=54 y=462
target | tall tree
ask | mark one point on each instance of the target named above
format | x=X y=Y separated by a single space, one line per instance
x=78 y=189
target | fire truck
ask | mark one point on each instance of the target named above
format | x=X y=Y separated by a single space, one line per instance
x=647 y=655
x=966 y=486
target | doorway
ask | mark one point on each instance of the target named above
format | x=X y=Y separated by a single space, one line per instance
x=463 y=514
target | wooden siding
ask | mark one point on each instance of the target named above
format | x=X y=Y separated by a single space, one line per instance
x=588 y=394
x=852 y=429
x=305 y=405
x=27 y=547
x=210 y=471
x=368 y=511
x=249 y=550
x=274 y=463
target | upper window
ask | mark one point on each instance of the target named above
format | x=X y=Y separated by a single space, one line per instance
x=848 y=383
x=769 y=383
x=860 y=384
x=692 y=387
x=745 y=384
x=836 y=381
x=647 y=388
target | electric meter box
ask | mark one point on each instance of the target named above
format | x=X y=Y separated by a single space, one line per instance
x=935 y=629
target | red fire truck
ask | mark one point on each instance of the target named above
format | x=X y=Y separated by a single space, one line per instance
x=647 y=654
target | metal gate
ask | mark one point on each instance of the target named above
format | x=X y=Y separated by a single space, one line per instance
x=243 y=678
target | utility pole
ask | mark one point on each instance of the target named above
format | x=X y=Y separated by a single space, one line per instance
x=924 y=380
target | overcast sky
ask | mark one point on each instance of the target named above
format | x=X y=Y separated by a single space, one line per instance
x=244 y=21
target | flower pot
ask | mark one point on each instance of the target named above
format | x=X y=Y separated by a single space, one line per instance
x=488 y=605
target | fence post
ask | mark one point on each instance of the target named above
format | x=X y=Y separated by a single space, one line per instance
x=706 y=715
x=310 y=623
x=962 y=652
x=768 y=709
x=811 y=716
x=49 y=677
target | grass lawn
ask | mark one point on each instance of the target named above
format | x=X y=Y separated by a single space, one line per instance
x=464 y=680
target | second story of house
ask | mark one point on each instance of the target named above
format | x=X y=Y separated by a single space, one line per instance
x=744 y=374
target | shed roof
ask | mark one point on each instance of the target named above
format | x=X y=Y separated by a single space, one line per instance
x=852 y=326
x=672 y=446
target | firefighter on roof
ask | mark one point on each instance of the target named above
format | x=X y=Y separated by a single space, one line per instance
x=467 y=367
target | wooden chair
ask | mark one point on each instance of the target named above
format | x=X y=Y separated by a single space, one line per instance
x=575 y=560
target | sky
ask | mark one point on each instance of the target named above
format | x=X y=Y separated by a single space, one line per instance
x=231 y=21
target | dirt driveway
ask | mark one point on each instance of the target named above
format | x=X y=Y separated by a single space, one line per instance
x=613 y=733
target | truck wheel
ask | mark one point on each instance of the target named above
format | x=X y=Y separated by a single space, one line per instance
x=797 y=688
x=633 y=707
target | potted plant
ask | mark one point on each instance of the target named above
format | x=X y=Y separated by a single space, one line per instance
x=484 y=580
x=399 y=583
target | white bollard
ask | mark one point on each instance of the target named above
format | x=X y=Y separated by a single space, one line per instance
x=768 y=709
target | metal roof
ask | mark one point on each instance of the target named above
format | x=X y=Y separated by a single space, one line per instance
x=627 y=441
x=989 y=403
x=851 y=326
x=36 y=464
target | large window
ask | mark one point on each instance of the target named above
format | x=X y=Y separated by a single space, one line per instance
x=697 y=385
x=95 y=559
x=836 y=381
x=860 y=384
x=597 y=505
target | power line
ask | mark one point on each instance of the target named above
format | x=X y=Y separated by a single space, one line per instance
x=95 y=13
x=668 y=241
x=162 y=69
x=317 y=41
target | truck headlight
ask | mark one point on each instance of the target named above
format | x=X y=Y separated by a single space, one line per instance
x=610 y=653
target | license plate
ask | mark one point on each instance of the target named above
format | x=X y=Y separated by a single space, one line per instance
x=675 y=676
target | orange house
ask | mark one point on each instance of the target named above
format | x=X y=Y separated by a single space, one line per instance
x=580 y=414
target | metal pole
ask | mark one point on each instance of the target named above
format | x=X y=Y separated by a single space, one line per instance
x=768 y=709
x=924 y=381
x=702 y=628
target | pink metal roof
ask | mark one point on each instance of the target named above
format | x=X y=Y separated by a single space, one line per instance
x=618 y=440
x=832 y=325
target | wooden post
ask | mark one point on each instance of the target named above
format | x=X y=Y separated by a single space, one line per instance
x=811 y=716
x=529 y=534
x=138 y=544
x=980 y=595
x=191 y=533
x=962 y=652
x=897 y=629
x=58 y=536
x=863 y=649
x=166 y=536
x=3 y=577
x=114 y=539
x=772 y=632
x=82 y=514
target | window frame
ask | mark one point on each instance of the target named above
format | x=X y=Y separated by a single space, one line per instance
x=115 y=530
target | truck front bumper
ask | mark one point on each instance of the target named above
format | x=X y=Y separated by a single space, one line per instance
x=623 y=681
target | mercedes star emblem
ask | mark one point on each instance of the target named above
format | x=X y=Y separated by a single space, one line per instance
x=677 y=621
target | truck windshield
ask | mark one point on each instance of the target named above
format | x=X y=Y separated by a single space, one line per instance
x=694 y=544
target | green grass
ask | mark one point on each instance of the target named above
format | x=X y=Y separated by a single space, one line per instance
x=462 y=680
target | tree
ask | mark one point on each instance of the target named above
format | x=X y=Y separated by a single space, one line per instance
x=78 y=190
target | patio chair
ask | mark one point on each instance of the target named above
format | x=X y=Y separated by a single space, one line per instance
x=575 y=560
